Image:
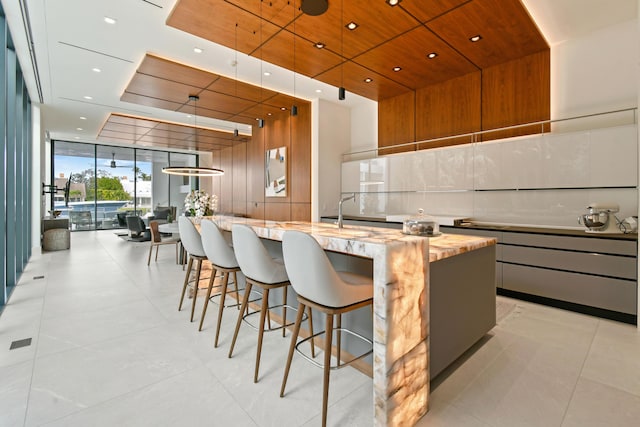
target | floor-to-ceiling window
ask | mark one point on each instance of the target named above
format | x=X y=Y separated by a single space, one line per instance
x=106 y=183
x=15 y=165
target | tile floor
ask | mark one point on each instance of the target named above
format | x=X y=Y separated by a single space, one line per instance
x=110 y=348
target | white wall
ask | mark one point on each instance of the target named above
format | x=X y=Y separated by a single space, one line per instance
x=364 y=126
x=331 y=137
x=595 y=73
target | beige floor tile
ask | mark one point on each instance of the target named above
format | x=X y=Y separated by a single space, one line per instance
x=596 y=405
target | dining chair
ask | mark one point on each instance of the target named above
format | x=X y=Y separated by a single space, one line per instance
x=157 y=240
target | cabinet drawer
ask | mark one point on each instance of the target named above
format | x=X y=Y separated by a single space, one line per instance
x=594 y=291
x=592 y=263
x=585 y=244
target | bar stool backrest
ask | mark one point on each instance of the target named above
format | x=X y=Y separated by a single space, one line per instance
x=253 y=258
x=190 y=237
x=215 y=246
x=313 y=276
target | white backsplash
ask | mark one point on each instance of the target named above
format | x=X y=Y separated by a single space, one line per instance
x=544 y=180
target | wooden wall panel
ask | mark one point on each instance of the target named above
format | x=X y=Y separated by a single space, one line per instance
x=277 y=211
x=300 y=157
x=301 y=212
x=242 y=186
x=255 y=167
x=239 y=184
x=225 y=201
x=396 y=122
x=516 y=92
x=449 y=108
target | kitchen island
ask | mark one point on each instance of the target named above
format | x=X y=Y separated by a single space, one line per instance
x=401 y=279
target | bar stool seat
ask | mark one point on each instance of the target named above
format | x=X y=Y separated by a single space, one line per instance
x=222 y=259
x=333 y=293
x=266 y=272
x=192 y=244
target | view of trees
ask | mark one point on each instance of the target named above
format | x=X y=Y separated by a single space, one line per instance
x=108 y=187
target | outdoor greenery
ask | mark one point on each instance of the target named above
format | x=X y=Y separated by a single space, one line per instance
x=108 y=187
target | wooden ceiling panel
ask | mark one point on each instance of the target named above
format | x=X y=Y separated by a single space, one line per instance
x=217 y=101
x=241 y=89
x=377 y=22
x=149 y=102
x=264 y=111
x=133 y=130
x=409 y=52
x=216 y=20
x=205 y=112
x=352 y=76
x=308 y=60
x=425 y=11
x=279 y=12
x=176 y=72
x=160 y=88
x=507 y=31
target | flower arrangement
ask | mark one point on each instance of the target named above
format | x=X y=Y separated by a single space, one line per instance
x=198 y=203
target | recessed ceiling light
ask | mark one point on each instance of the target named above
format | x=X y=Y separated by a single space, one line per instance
x=96 y=70
x=268 y=114
x=396 y=69
x=319 y=45
x=351 y=26
x=368 y=80
x=318 y=90
x=109 y=20
x=197 y=50
x=76 y=137
x=83 y=118
x=267 y=73
x=475 y=38
x=393 y=2
x=88 y=97
x=432 y=55
x=283 y=108
x=79 y=129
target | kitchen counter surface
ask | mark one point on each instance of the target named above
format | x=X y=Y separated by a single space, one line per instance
x=400 y=303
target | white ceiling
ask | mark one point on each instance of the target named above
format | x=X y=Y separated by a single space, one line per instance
x=70 y=38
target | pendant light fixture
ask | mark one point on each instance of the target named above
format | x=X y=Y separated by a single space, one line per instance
x=315 y=7
x=294 y=107
x=341 y=91
x=235 y=65
x=193 y=170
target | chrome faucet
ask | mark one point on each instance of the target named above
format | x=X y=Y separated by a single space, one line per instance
x=342 y=200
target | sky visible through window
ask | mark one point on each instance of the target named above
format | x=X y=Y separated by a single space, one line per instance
x=73 y=164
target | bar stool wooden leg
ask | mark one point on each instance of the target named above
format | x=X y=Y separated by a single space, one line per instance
x=195 y=287
x=263 y=312
x=149 y=257
x=186 y=282
x=235 y=285
x=284 y=310
x=223 y=294
x=327 y=367
x=245 y=300
x=313 y=346
x=292 y=346
x=206 y=300
x=339 y=336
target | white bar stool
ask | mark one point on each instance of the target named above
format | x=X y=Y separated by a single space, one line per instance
x=222 y=259
x=320 y=286
x=260 y=269
x=193 y=245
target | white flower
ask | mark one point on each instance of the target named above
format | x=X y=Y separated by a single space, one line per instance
x=199 y=203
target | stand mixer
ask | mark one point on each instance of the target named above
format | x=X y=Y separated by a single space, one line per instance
x=601 y=218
